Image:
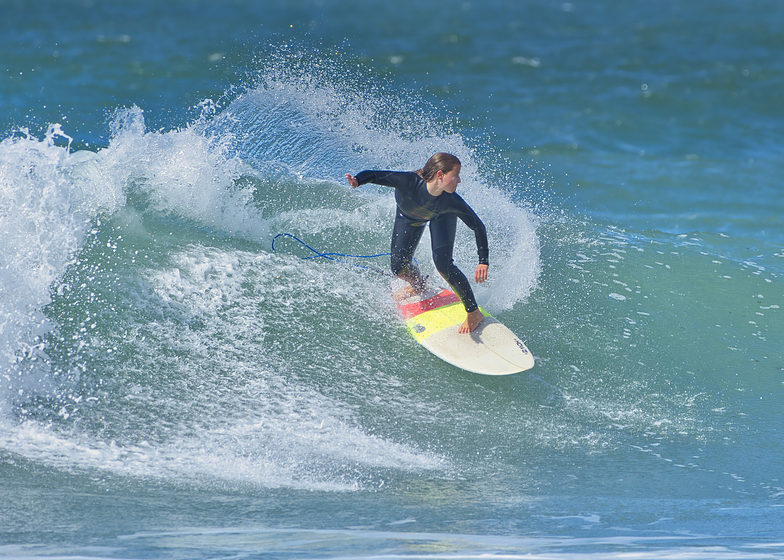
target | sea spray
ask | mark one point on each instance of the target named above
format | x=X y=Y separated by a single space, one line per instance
x=50 y=199
x=316 y=129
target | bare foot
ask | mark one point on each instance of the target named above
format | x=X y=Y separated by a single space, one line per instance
x=406 y=292
x=473 y=320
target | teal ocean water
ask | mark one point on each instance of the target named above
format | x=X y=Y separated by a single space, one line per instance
x=171 y=387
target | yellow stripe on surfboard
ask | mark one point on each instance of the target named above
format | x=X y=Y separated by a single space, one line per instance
x=433 y=321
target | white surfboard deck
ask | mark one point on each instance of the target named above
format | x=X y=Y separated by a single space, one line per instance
x=433 y=319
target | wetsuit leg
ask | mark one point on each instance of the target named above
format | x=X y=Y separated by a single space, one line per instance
x=442 y=236
x=405 y=238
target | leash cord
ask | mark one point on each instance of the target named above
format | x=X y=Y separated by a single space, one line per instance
x=330 y=256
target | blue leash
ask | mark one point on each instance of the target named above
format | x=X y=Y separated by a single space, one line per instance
x=330 y=256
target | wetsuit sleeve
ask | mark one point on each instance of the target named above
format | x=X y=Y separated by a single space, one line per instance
x=469 y=218
x=394 y=179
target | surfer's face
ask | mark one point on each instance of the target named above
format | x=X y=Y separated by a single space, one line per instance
x=450 y=180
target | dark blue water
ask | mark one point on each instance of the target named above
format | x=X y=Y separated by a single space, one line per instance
x=171 y=387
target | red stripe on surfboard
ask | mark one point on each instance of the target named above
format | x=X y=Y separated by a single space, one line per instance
x=445 y=297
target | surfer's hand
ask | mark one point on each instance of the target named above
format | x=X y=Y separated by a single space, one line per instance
x=480 y=273
x=352 y=181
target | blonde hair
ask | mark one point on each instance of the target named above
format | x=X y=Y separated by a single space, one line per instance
x=438 y=162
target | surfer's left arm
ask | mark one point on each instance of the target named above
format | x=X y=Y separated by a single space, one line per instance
x=480 y=273
x=469 y=218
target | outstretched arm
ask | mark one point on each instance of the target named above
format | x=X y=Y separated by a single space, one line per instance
x=396 y=179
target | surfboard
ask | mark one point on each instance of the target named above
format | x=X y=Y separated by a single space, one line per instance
x=433 y=318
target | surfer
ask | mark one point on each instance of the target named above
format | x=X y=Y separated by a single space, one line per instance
x=428 y=195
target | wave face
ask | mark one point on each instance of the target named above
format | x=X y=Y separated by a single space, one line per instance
x=162 y=337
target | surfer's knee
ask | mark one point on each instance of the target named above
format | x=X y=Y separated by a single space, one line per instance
x=444 y=263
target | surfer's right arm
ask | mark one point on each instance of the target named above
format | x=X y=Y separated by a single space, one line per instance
x=352 y=181
x=395 y=179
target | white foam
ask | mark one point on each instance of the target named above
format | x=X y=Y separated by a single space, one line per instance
x=51 y=199
x=239 y=417
x=183 y=172
x=48 y=200
x=514 y=247
x=267 y=452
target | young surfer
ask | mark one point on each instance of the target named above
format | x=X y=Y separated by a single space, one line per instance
x=423 y=196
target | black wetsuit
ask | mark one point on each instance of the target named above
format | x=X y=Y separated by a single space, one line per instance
x=415 y=208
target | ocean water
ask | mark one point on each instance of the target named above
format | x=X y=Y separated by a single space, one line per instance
x=172 y=387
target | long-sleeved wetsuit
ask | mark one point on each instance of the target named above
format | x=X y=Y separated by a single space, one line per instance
x=415 y=208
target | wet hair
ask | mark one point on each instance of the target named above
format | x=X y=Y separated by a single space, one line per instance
x=438 y=162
